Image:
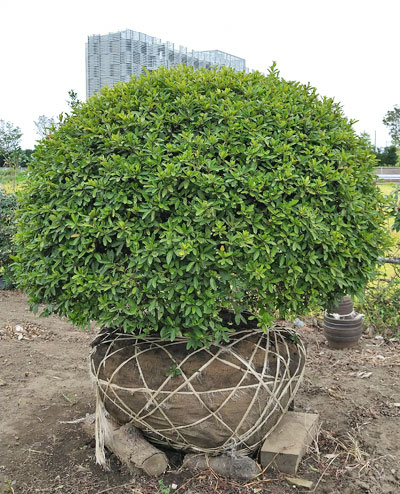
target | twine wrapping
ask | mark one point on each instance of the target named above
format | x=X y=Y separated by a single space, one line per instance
x=267 y=380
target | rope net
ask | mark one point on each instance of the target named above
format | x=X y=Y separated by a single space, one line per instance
x=225 y=398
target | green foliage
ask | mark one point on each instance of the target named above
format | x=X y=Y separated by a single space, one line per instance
x=26 y=156
x=173 y=370
x=164 y=200
x=394 y=207
x=387 y=156
x=163 y=489
x=73 y=101
x=392 y=121
x=8 y=205
x=381 y=307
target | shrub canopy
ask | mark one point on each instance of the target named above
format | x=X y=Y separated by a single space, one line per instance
x=161 y=201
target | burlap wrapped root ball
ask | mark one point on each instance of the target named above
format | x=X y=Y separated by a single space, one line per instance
x=225 y=398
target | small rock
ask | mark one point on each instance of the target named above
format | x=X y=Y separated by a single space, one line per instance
x=239 y=467
x=299 y=482
x=363 y=374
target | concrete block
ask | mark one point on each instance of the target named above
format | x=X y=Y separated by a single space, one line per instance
x=285 y=446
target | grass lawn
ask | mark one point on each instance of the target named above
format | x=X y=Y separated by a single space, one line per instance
x=12 y=180
x=387 y=187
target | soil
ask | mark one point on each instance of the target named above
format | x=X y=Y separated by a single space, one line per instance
x=45 y=390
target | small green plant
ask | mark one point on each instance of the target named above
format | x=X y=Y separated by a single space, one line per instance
x=294 y=338
x=163 y=488
x=173 y=371
x=160 y=203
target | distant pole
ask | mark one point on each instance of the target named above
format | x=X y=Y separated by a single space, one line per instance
x=375 y=140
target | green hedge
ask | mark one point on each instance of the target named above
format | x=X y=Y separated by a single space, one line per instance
x=164 y=200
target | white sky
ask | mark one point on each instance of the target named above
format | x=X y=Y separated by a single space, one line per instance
x=347 y=49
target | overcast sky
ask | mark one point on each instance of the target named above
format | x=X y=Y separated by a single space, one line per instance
x=347 y=49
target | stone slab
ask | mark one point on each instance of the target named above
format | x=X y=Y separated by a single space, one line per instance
x=284 y=448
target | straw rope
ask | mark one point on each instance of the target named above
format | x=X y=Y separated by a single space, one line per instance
x=279 y=385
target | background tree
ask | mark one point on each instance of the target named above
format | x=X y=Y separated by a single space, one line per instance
x=387 y=155
x=45 y=125
x=392 y=120
x=10 y=139
x=366 y=138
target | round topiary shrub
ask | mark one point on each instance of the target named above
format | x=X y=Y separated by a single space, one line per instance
x=161 y=202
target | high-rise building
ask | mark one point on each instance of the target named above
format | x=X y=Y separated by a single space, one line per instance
x=117 y=56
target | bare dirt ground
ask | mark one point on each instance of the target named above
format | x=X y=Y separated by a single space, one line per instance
x=44 y=385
